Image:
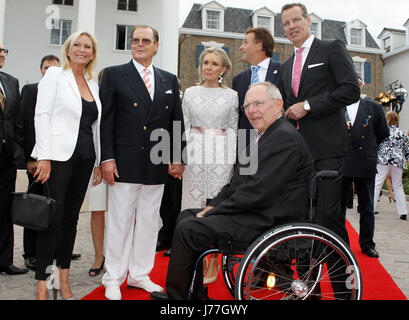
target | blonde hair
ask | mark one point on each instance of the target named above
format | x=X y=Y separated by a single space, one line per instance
x=65 y=60
x=222 y=55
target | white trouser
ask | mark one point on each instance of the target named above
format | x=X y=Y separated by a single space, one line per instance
x=132 y=231
x=396 y=177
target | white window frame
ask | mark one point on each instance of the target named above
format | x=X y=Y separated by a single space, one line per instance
x=361 y=30
x=128 y=29
x=60 y=28
x=138 y=7
x=318 y=21
x=64 y=4
x=387 y=37
x=317 y=33
x=270 y=27
x=361 y=62
x=221 y=19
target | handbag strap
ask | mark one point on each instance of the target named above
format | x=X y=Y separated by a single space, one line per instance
x=46 y=187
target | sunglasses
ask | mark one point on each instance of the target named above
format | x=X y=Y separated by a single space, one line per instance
x=6 y=51
x=144 y=42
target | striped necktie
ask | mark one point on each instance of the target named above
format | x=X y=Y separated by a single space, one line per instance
x=147 y=81
x=2 y=100
x=254 y=74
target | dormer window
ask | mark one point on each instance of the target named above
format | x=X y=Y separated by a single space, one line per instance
x=316 y=22
x=387 y=44
x=356 y=37
x=264 y=22
x=315 y=29
x=263 y=18
x=355 y=33
x=213 y=19
x=213 y=16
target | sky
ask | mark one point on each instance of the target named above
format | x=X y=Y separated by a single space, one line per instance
x=374 y=13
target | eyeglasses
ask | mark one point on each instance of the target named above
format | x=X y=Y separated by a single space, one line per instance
x=144 y=42
x=6 y=51
x=256 y=103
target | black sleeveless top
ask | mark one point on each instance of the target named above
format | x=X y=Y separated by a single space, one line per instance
x=85 y=143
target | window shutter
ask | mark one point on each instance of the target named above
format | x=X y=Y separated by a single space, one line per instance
x=276 y=57
x=367 y=72
x=199 y=50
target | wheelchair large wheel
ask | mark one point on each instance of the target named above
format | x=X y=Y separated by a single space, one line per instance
x=298 y=262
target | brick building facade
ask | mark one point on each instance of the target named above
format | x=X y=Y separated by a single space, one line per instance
x=212 y=24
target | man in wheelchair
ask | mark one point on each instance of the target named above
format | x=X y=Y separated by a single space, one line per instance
x=275 y=194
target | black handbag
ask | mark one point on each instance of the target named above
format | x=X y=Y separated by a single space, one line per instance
x=32 y=211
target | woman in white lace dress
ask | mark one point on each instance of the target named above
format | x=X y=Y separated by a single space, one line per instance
x=210 y=111
x=393 y=157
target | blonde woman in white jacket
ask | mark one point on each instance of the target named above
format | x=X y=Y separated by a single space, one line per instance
x=67 y=119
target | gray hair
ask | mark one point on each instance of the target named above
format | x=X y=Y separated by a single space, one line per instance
x=272 y=90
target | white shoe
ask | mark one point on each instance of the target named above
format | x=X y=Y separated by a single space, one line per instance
x=146 y=285
x=112 y=292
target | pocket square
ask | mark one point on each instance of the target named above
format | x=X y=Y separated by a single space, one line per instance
x=169 y=92
x=315 y=65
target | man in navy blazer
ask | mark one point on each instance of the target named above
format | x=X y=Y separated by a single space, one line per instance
x=317 y=83
x=367 y=128
x=139 y=101
x=257 y=50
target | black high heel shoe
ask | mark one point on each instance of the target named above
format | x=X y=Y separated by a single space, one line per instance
x=95 y=272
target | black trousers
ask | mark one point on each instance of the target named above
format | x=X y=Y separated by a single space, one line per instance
x=170 y=209
x=364 y=188
x=190 y=239
x=8 y=174
x=329 y=211
x=68 y=184
x=29 y=235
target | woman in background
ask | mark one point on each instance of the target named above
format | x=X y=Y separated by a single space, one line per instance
x=210 y=112
x=393 y=156
x=97 y=204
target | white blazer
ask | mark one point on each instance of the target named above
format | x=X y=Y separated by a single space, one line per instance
x=57 y=116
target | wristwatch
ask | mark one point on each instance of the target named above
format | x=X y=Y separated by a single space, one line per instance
x=307 y=106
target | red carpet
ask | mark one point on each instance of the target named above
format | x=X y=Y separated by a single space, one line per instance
x=377 y=283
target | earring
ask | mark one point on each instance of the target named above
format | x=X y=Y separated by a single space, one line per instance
x=221 y=78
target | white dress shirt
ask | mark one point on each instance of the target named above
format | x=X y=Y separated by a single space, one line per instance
x=307 y=46
x=262 y=72
x=352 y=111
x=141 y=70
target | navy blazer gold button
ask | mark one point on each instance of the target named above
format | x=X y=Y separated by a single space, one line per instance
x=135 y=104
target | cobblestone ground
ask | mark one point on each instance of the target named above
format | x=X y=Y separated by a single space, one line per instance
x=391 y=237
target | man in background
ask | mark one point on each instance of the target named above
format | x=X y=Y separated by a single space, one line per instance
x=367 y=128
x=11 y=157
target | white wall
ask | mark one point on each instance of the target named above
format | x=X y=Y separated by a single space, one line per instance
x=28 y=39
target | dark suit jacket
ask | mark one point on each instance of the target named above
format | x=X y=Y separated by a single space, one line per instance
x=275 y=194
x=369 y=130
x=129 y=116
x=241 y=83
x=28 y=104
x=11 y=124
x=329 y=83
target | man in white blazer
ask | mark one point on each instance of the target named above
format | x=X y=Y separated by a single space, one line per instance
x=137 y=99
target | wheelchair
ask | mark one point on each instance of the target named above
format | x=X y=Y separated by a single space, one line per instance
x=295 y=261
